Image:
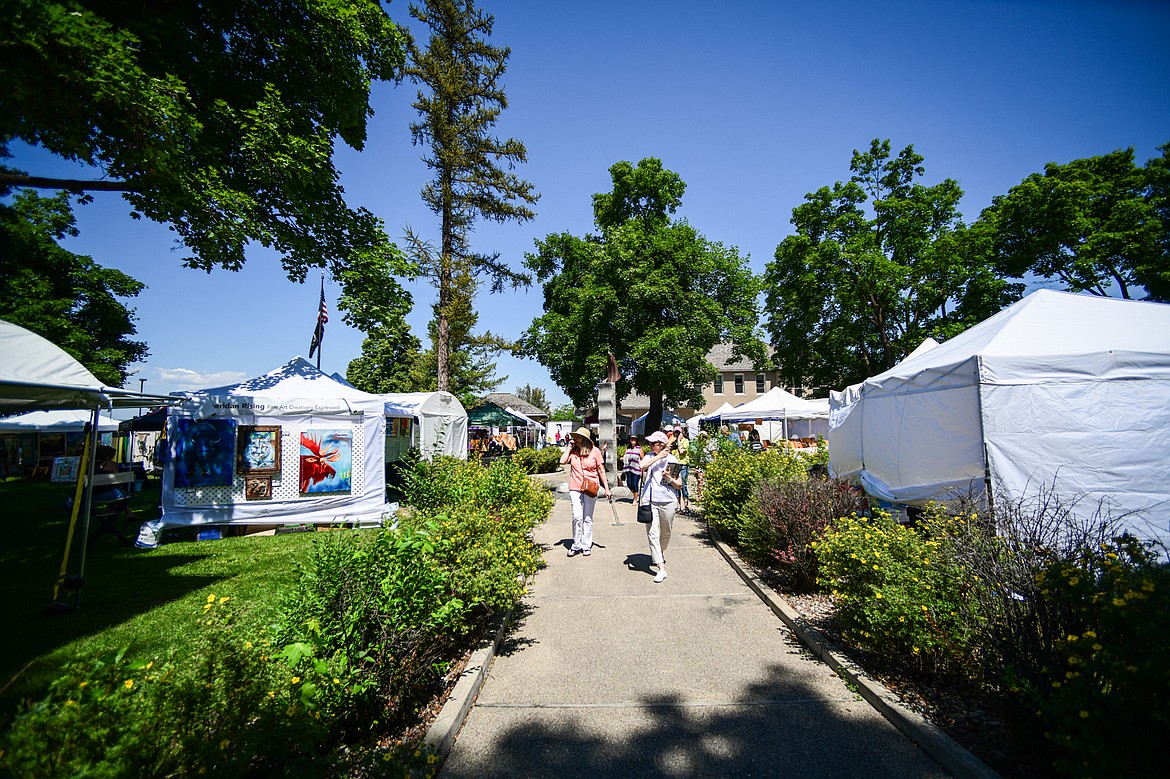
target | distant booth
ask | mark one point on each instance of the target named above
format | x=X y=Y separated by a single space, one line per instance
x=782 y=416
x=435 y=423
x=291 y=446
x=35 y=440
x=142 y=439
x=509 y=428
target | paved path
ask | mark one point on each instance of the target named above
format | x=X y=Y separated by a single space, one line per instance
x=606 y=674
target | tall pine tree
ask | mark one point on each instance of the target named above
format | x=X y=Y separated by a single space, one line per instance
x=459 y=101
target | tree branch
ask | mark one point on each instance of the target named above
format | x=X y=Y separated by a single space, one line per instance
x=11 y=179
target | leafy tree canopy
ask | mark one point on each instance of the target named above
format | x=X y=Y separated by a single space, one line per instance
x=877 y=264
x=533 y=395
x=1099 y=225
x=563 y=413
x=65 y=297
x=218 y=117
x=651 y=290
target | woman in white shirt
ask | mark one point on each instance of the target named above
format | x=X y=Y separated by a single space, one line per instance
x=661 y=492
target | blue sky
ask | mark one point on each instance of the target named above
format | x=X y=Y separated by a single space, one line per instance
x=754 y=104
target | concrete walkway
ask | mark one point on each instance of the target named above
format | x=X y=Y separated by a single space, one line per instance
x=605 y=674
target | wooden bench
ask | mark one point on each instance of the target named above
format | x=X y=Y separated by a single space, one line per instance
x=107 y=512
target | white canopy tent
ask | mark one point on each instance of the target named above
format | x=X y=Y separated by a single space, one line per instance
x=56 y=421
x=797 y=415
x=669 y=418
x=1058 y=391
x=845 y=429
x=301 y=407
x=440 y=421
x=693 y=424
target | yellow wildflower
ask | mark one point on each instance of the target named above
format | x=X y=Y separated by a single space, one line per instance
x=128 y=683
x=211 y=598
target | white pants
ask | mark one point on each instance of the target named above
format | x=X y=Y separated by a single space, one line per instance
x=583 y=506
x=658 y=531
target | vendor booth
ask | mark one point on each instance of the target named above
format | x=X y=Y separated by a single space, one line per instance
x=1059 y=392
x=35 y=438
x=291 y=446
x=783 y=415
x=433 y=422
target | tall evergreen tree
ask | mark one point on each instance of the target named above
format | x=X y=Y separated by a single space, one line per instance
x=459 y=101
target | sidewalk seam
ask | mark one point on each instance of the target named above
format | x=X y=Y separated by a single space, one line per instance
x=942 y=748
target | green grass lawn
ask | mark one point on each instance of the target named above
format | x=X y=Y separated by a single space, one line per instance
x=146 y=600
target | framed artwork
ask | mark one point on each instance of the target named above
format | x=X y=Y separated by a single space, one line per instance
x=258 y=450
x=258 y=487
x=326 y=462
x=203 y=452
x=65 y=469
x=404 y=427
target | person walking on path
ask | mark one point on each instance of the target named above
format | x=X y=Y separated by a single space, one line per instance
x=683 y=452
x=586 y=479
x=660 y=492
x=632 y=465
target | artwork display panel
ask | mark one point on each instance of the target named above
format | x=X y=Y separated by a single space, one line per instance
x=326 y=462
x=258 y=450
x=65 y=469
x=203 y=452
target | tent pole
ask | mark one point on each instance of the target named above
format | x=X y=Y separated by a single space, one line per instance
x=93 y=443
x=82 y=480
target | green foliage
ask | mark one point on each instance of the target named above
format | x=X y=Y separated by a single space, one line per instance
x=533 y=395
x=732 y=476
x=653 y=291
x=876 y=265
x=546 y=460
x=459 y=102
x=897 y=593
x=388 y=355
x=1104 y=698
x=1096 y=224
x=792 y=515
x=230 y=708
x=220 y=123
x=65 y=297
x=566 y=413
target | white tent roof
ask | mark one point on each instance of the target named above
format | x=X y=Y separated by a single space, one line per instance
x=295 y=382
x=442 y=420
x=1058 y=390
x=55 y=421
x=778 y=403
x=36 y=373
x=528 y=420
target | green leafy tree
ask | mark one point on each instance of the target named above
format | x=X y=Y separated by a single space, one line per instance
x=533 y=395
x=877 y=264
x=387 y=361
x=65 y=297
x=1099 y=225
x=563 y=413
x=218 y=118
x=459 y=107
x=650 y=289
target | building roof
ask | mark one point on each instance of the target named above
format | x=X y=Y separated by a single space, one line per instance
x=720 y=357
x=508 y=400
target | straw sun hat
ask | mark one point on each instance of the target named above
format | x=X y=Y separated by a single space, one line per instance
x=583 y=432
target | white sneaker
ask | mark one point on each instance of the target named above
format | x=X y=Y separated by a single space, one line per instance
x=660 y=576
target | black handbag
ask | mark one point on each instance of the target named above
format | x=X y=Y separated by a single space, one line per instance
x=645 y=510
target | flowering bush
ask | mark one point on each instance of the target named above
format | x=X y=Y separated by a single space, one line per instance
x=1103 y=699
x=730 y=478
x=897 y=592
x=546 y=460
x=793 y=513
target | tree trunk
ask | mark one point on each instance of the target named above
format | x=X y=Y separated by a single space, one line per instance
x=654 y=416
x=443 y=342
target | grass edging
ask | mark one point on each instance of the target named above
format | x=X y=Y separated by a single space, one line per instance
x=942 y=748
x=441 y=734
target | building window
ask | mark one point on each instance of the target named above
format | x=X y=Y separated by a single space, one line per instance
x=760 y=384
x=719 y=384
x=739 y=384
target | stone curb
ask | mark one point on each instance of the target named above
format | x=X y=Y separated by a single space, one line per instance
x=945 y=750
x=441 y=734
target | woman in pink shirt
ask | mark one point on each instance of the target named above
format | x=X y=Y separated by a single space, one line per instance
x=586 y=475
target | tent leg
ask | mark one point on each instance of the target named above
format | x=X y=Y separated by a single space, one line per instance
x=64 y=581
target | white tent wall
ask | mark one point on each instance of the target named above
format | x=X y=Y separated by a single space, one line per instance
x=1058 y=390
x=297 y=398
x=440 y=421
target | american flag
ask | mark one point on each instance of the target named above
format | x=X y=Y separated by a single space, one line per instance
x=322 y=318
